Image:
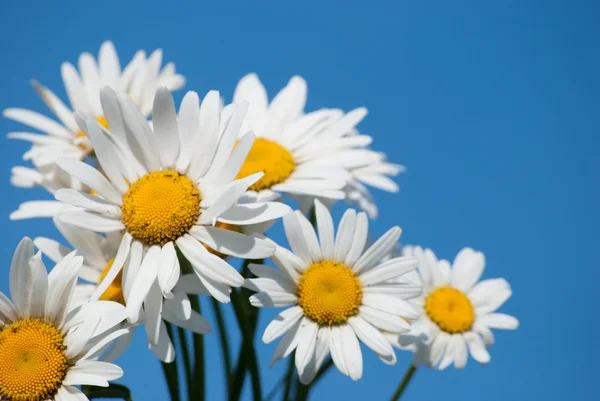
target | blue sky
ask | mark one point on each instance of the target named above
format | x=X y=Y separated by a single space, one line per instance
x=492 y=107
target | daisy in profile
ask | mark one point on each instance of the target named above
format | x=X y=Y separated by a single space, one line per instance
x=315 y=155
x=47 y=177
x=284 y=148
x=53 y=139
x=457 y=310
x=335 y=291
x=47 y=349
x=99 y=253
x=165 y=187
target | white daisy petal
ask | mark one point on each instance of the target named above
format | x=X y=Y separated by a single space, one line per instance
x=336 y=347
x=254 y=213
x=90 y=202
x=117 y=265
x=325 y=228
x=19 y=274
x=153 y=307
x=360 y=234
x=477 y=348
x=189 y=125
x=37 y=121
x=498 y=321
x=389 y=270
x=296 y=238
x=91 y=221
x=92 y=178
x=282 y=323
x=169 y=271
x=272 y=299
x=8 y=311
x=70 y=393
x=369 y=335
x=164 y=351
x=382 y=246
x=306 y=345
x=232 y=243
x=208 y=265
x=383 y=320
x=467 y=269
x=288 y=343
x=144 y=280
x=391 y=304
x=352 y=353
x=164 y=119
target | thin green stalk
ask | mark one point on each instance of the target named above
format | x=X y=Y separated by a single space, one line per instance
x=247 y=358
x=288 y=379
x=303 y=391
x=198 y=390
x=170 y=372
x=404 y=383
x=187 y=364
x=275 y=389
x=224 y=341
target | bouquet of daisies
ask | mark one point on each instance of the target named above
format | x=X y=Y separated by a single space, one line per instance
x=157 y=201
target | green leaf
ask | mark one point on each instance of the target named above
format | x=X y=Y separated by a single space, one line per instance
x=114 y=390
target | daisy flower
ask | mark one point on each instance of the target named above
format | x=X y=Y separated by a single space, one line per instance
x=99 y=253
x=165 y=187
x=64 y=138
x=457 y=310
x=46 y=350
x=48 y=177
x=285 y=148
x=309 y=155
x=336 y=293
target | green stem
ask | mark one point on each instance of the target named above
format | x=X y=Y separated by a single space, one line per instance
x=405 y=380
x=288 y=379
x=197 y=392
x=187 y=364
x=224 y=341
x=303 y=391
x=170 y=372
x=247 y=358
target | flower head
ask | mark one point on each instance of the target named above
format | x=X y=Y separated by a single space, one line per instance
x=457 y=310
x=47 y=348
x=165 y=187
x=336 y=291
x=140 y=79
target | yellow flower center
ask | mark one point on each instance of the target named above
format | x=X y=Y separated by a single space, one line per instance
x=224 y=226
x=101 y=120
x=271 y=158
x=114 y=292
x=450 y=309
x=33 y=362
x=160 y=207
x=329 y=292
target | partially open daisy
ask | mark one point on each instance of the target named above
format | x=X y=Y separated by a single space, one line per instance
x=46 y=349
x=285 y=148
x=99 y=253
x=457 y=311
x=166 y=187
x=140 y=79
x=338 y=292
x=308 y=155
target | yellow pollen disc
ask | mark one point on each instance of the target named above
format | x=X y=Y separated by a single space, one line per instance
x=161 y=207
x=224 y=226
x=33 y=362
x=450 y=309
x=101 y=120
x=329 y=292
x=114 y=292
x=271 y=158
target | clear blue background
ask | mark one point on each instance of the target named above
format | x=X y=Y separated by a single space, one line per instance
x=494 y=109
